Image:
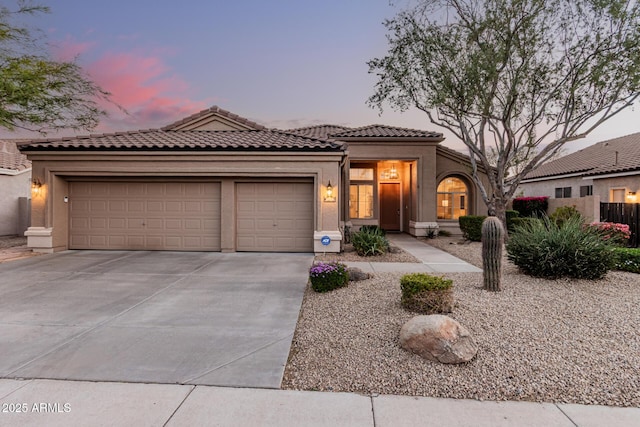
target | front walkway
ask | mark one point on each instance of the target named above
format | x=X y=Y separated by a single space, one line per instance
x=433 y=260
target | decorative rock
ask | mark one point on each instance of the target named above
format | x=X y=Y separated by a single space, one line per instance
x=438 y=338
x=356 y=275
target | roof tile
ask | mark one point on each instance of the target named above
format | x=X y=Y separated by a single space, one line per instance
x=217 y=110
x=377 y=131
x=11 y=158
x=615 y=155
x=227 y=140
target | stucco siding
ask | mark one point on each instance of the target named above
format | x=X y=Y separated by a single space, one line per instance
x=12 y=188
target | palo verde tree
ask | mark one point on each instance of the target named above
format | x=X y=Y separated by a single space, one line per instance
x=38 y=93
x=513 y=79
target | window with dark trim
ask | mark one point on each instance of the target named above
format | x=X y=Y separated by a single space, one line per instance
x=586 y=190
x=563 y=192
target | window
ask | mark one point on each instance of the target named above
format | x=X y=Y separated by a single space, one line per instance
x=586 y=190
x=361 y=192
x=563 y=192
x=452 y=198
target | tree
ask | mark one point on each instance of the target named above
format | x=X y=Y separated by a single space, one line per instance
x=38 y=93
x=513 y=79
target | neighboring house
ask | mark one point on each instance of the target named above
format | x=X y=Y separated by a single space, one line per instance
x=608 y=171
x=215 y=181
x=15 y=189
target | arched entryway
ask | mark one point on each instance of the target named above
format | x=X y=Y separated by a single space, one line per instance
x=453 y=198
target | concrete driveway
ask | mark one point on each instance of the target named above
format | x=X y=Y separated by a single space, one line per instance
x=157 y=317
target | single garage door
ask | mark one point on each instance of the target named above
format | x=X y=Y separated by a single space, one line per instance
x=176 y=216
x=275 y=217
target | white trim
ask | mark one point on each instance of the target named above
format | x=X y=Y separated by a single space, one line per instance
x=550 y=178
x=13 y=172
x=613 y=175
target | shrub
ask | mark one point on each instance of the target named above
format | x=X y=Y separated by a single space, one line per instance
x=563 y=213
x=617 y=234
x=510 y=215
x=426 y=294
x=444 y=233
x=471 y=226
x=520 y=222
x=628 y=259
x=373 y=229
x=545 y=249
x=531 y=206
x=370 y=241
x=328 y=276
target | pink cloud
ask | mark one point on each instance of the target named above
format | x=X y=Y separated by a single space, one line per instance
x=151 y=93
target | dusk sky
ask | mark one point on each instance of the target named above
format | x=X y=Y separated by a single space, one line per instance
x=282 y=63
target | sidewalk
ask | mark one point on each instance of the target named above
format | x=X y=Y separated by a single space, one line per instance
x=76 y=403
x=433 y=260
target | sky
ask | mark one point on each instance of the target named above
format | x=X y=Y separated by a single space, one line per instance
x=281 y=63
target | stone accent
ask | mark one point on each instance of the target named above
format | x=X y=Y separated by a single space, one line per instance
x=438 y=338
x=357 y=275
x=421 y=229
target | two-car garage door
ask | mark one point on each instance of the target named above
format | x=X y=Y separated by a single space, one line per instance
x=180 y=216
x=186 y=216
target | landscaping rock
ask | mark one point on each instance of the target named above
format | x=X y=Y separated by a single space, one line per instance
x=438 y=338
x=356 y=275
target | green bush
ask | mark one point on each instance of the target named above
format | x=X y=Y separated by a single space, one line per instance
x=426 y=294
x=628 y=259
x=531 y=206
x=370 y=241
x=563 y=213
x=373 y=229
x=545 y=249
x=328 y=276
x=521 y=221
x=471 y=227
x=510 y=215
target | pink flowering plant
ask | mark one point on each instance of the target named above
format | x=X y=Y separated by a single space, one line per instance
x=327 y=276
x=615 y=233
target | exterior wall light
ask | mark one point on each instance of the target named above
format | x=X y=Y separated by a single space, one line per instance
x=631 y=195
x=329 y=196
x=36 y=187
x=393 y=173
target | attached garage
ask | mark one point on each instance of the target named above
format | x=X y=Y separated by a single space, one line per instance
x=177 y=216
x=275 y=216
x=213 y=181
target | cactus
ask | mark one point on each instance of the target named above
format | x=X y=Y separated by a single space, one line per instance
x=492 y=238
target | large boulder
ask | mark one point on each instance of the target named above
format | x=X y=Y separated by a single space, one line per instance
x=438 y=338
x=357 y=275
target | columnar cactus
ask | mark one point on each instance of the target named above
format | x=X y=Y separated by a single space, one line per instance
x=492 y=238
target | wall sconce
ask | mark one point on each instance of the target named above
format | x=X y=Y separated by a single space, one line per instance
x=393 y=173
x=631 y=195
x=36 y=187
x=329 y=196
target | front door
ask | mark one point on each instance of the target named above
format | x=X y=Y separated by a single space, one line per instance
x=390 y=206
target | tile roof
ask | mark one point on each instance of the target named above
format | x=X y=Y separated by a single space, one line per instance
x=382 y=131
x=215 y=110
x=615 y=155
x=319 y=131
x=11 y=158
x=223 y=140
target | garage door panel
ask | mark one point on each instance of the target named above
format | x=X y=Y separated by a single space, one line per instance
x=275 y=217
x=145 y=216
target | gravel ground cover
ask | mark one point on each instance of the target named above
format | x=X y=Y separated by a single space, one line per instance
x=395 y=254
x=563 y=341
x=14 y=247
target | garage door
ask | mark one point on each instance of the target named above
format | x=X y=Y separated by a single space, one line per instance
x=177 y=216
x=275 y=217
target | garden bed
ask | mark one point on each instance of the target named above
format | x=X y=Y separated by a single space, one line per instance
x=569 y=341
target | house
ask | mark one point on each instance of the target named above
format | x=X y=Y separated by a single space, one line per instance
x=15 y=189
x=608 y=172
x=216 y=181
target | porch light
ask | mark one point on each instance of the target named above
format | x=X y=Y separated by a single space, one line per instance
x=631 y=195
x=36 y=187
x=328 y=196
x=393 y=173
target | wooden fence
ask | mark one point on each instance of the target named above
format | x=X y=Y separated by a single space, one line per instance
x=623 y=213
